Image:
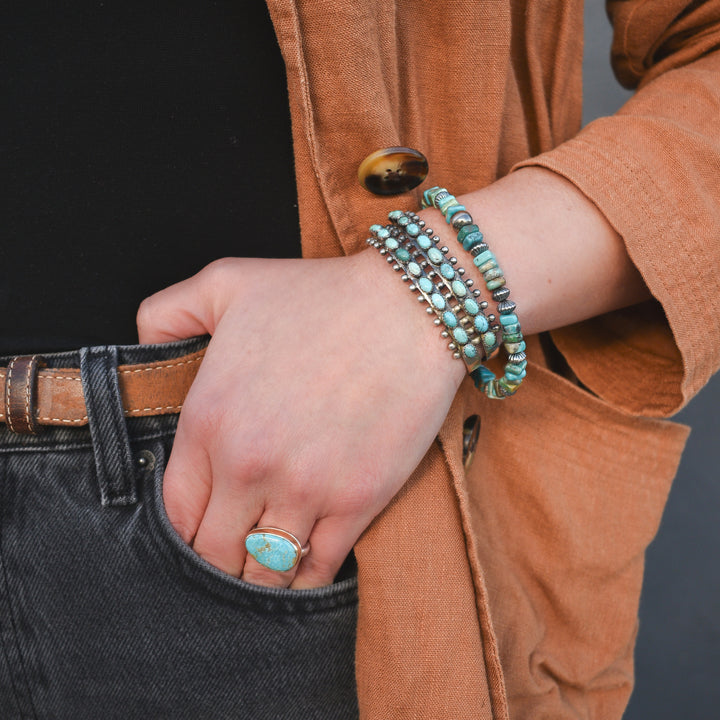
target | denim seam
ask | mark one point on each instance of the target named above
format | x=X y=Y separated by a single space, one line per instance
x=13 y=626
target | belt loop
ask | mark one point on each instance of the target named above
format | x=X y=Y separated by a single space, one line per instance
x=20 y=392
x=113 y=460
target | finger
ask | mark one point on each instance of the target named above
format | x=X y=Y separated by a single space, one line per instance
x=186 y=484
x=230 y=515
x=331 y=541
x=298 y=525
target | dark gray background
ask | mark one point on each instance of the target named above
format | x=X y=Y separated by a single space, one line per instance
x=678 y=652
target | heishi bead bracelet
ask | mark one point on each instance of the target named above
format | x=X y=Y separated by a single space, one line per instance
x=470 y=237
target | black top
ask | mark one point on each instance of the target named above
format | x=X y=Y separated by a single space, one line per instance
x=139 y=142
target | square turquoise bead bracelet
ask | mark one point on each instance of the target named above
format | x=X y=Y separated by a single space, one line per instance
x=472 y=240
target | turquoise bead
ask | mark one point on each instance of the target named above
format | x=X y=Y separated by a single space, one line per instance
x=447 y=202
x=471 y=307
x=272 y=551
x=412 y=229
x=438 y=301
x=485 y=375
x=375 y=229
x=467 y=230
x=414 y=269
x=424 y=242
x=470 y=351
x=471 y=241
x=516 y=375
x=492 y=274
x=489 y=265
x=514 y=347
x=435 y=256
x=483 y=257
x=495 y=284
x=392 y=244
x=512 y=337
x=403 y=255
x=510 y=329
x=481 y=323
x=460 y=335
x=395 y=215
x=449 y=319
x=426 y=285
x=509 y=319
x=459 y=289
x=454 y=209
x=446 y=270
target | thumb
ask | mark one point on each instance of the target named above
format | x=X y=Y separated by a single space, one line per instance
x=181 y=311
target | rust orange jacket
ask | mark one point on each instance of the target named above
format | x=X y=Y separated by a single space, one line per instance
x=511 y=589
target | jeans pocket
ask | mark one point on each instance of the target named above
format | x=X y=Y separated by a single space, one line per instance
x=180 y=559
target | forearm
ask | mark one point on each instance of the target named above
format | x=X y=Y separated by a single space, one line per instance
x=563 y=261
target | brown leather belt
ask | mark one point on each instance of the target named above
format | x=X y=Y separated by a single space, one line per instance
x=34 y=395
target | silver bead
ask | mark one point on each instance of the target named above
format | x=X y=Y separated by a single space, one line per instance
x=444 y=249
x=484 y=305
x=456 y=356
x=461 y=271
x=506 y=306
x=452 y=346
x=491 y=318
x=479 y=248
x=469 y=282
x=405 y=278
x=420 y=223
x=517 y=358
x=444 y=334
x=421 y=299
x=436 y=321
x=477 y=293
x=501 y=294
x=460 y=219
x=441 y=196
x=453 y=261
x=429 y=311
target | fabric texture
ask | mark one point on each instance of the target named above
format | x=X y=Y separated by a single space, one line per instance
x=512 y=589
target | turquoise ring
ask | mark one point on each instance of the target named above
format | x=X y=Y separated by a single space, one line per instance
x=274 y=548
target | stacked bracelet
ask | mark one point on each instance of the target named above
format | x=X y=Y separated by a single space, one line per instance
x=470 y=237
x=411 y=247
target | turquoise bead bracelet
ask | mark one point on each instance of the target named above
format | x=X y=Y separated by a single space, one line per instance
x=472 y=240
x=410 y=246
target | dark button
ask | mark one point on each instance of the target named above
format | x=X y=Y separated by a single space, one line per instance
x=393 y=170
x=471 y=432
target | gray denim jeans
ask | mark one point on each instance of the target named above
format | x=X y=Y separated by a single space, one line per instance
x=106 y=613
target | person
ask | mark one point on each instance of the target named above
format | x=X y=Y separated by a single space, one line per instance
x=503 y=583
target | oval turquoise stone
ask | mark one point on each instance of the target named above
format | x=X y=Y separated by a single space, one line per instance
x=403 y=255
x=471 y=307
x=481 y=323
x=412 y=230
x=435 y=256
x=392 y=244
x=272 y=551
x=395 y=215
x=414 y=269
x=424 y=242
x=374 y=229
x=426 y=285
x=460 y=335
x=438 y=301
x=470 y=351
x=459 y=289
x=449 y=319
x=447 y=271
x=403 y=221
x=489 y=340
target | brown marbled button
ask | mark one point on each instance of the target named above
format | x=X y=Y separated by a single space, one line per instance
x=393 y=170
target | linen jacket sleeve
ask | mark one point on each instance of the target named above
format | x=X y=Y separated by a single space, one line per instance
x=653 y=169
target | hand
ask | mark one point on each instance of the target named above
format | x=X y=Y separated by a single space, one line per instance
x=322 y=388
